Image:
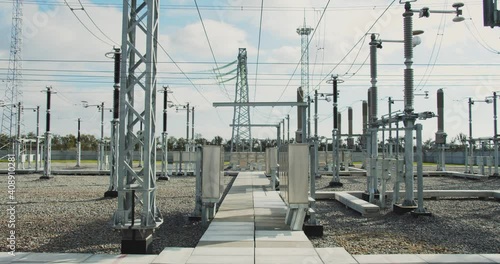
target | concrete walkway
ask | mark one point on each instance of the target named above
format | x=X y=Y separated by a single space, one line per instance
x=249 y=228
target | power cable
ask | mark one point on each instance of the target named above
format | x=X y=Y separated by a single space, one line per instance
x=364 y=35
x=98 y=28
x=258 y=50
x=210 y=46
x=79 y=20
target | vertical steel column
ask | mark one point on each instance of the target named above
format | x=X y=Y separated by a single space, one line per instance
x=420 y=177
x=495 y=133
x=101 y=142
x=288 y=129
x=390 y=101
x=186 y=148
x=78 y=146
x=48 y=139
x=335 y=182
x=192 y=129
x=37 y=154
x=364 y=137
x=18 y=135
x=137 y=214
x=469 y=167
x=164 y=138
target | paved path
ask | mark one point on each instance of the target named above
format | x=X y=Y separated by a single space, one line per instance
x=249 y=228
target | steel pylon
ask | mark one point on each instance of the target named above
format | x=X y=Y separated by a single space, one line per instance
x=242 y=134
x=137 y=214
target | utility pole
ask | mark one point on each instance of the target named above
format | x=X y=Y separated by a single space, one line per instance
x=112 y=191
x=78 y=146
x=495 y=132
x=48 y=139
x=18 y=135
x=164 y=137
x=192 y=130
x=288 y=129
x=335 y=133
x=37 y=154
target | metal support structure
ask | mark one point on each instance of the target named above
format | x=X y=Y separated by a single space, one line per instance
x=192 y=130
x=241 y=116
x=137 y=214
x=48 y=139
x=304 y=32
x=335 y=182
x=78 y=146
x=37 y=154
x=164 y=137
x=420 y=177
x=288 y=129
x=409 y=120
x=17 y=141
x=495 y=133
x=115 y=124
x=440 y=134
x=13 y=93
x=101 y=141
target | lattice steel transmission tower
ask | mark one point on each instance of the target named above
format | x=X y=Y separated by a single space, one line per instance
x=304 y=32
x=241 y=117
x=138 y=215
x=13 y=94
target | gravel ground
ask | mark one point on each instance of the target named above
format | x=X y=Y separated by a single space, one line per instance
x=465 y=226
x=68 y=214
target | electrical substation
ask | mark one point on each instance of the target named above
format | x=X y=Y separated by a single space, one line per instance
x=332 y=179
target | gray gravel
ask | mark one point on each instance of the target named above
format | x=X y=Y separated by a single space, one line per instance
x=466 y=226
x=68 y=214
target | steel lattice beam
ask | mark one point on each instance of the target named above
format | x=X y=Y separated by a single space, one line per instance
x=241 y=116
x=137 y=214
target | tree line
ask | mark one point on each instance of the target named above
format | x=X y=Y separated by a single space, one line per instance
x=90 y=143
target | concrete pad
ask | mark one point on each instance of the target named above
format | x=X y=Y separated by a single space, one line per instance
x=53 y=258
x=173 y=255
x=335 y=255
x=261 y=235
x=123 y=258
x=221 y=260
x=229 y=228
x=233 y=232
x=285 y=252
x=454 y=258
x=226 y=244
x=223 y=251
x=359 y=205
x=278 y=259
x=211 y=237
x=396 y=258
x=5 y=257
x=240 y=224
x=283 y=244
x=493 y=257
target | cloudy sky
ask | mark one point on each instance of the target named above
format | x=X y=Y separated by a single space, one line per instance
x=69 y=55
